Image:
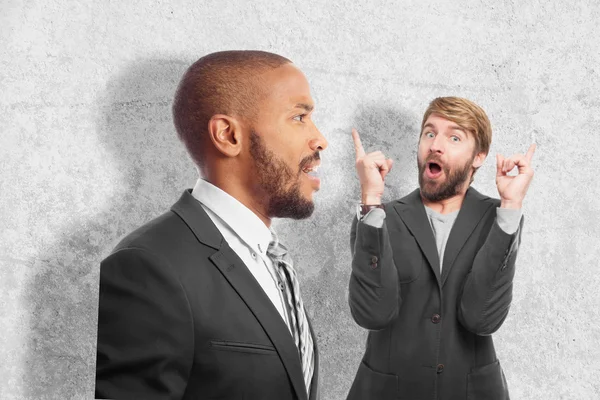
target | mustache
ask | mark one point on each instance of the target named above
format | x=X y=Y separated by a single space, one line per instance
x=433 y=158
x=307 y=160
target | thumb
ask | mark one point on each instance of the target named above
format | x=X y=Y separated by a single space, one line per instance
x=389 y=163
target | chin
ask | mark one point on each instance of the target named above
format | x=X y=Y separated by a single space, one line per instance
x=308 y=202
x=296 y=206
x=304 y=213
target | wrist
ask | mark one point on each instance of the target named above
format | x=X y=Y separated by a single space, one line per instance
x=370 y=199
x=512 y=204
x=362 y=210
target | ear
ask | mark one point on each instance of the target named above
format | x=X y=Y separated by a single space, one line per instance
x=478 y=160
x=225 y=133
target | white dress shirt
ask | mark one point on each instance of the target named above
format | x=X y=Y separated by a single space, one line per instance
x=246 y=234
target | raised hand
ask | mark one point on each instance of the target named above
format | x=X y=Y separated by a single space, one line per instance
x=512 y=189
x=372 y=169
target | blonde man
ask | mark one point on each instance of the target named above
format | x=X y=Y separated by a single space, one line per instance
x=432 y=272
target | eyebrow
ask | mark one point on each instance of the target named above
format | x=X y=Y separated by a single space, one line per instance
x=306 y=107
x=455 y=127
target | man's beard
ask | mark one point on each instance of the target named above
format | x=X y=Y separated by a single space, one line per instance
x=274 y=177
x=452 y=184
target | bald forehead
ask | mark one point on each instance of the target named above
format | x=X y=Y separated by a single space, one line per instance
x=286 y=87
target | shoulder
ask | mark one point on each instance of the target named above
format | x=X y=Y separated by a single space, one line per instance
x=154 y=235
x=152 y=256
x=480 y=197
x=411 y=199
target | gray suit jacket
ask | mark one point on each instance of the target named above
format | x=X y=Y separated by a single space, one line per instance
x=429 y=333
x=181 y=317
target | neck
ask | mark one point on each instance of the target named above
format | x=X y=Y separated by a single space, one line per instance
x=445 y=206
x=448 y=205
x=236 y=189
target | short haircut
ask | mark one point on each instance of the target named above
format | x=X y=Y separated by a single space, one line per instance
x=226 y=82
x=466 y=114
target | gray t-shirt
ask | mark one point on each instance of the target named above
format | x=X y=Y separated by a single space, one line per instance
x=441 y=224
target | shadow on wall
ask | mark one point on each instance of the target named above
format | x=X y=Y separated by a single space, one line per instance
x=395 y=132
x=151 y=170
x=323 y=242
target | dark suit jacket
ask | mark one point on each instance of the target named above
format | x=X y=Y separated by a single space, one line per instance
x=181 y=317
x=430 y=334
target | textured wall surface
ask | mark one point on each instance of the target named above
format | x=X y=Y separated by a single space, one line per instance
x=88 y=152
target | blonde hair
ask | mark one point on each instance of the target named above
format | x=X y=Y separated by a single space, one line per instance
x=465 y=114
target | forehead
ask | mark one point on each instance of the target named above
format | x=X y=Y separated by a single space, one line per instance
x=439 y=122
x=286 y=86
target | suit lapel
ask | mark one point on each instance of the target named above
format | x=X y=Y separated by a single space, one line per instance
x=244 y=283
x=412 y=212
x=471 y=212
x=314 y=386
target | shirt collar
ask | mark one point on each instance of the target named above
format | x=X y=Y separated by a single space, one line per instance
x=240 y=219
x=439 y=216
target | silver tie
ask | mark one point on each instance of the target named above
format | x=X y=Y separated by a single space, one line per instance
x=298 y=320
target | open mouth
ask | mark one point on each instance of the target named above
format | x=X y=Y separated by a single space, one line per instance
x=434 y=169
x=311 y=170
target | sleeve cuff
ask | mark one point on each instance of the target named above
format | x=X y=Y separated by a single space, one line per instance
x=375 y=218
x=508 y=219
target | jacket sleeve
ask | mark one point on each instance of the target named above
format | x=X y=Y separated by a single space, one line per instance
x=145 y=332
x=374 y=291
x=487 y=291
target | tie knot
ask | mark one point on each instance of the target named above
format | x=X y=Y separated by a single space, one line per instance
x=276 y=249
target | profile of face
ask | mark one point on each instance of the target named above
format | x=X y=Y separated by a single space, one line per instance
x=446 y=158
x=285 y=145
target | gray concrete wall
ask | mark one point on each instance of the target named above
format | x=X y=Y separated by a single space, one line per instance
x=88 y=152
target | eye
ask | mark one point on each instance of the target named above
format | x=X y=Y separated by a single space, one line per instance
x=429 y=134
x=455 y=138
x=299 y=118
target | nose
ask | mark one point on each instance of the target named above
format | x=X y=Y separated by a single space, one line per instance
x=318 y=141
x=437 y=145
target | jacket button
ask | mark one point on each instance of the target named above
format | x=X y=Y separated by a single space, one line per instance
x=436 y=318
x=440 y=368
x=373 y=262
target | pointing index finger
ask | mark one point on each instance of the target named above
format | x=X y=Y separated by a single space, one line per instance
x=530 y=152
x=358 y=147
